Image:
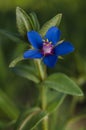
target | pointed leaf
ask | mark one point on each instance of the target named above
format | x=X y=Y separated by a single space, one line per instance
x=30 y=119
x=35 y=21
x=15 y=61
x=60 y=82
x=7 y=106
x=27 y=72
x=55 y=21
x=24 y=22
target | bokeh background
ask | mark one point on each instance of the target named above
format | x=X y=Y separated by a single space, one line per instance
x=21 y=92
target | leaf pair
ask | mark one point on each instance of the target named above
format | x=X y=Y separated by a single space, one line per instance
x=58 y=82
x=30 y=22
x=30 y=119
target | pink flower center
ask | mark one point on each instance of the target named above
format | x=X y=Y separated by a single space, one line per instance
x=47 y=48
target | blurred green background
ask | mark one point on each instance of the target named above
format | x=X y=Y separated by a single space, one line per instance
x=22 y=92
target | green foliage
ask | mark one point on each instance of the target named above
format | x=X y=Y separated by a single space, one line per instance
x=30 y=119
x=55 y=21
x=27 y=72
x=15 y=61
x=26 y=22
x=23 y=21
x=60 y=82
x=35 y=21
x=55 y=103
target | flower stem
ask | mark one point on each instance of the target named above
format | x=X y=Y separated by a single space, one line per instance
x=41 y=71
x=43 y=90
x=43 y=106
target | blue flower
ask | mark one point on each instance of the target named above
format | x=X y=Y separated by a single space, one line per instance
x=48 y=48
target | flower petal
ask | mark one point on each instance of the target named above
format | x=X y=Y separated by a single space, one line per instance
x=35 y=39
x=50 y=60
x=64 y=48
x=32 y=54
x=53 y=35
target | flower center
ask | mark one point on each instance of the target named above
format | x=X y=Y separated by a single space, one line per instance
x=47 y=47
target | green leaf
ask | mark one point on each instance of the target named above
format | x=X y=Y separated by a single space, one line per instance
x=7 y=106
x=24 y=22
x=15 y=61
x=27 y=72
x=30 y=119
x=61 y=83
x=56 y=102
x=55 y=21
x=35 y=21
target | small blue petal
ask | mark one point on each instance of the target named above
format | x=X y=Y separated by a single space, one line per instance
x=32 y=54
x=53 y=35
x=50 y=60
x=35 y=39
x=64 y=48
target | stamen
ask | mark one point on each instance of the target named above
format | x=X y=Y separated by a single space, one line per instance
x=43 y=40
x=60 y=57
x=50 y=42
x=47 y=40
x=60 y=41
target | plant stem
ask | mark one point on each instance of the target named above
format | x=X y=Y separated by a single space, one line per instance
x=41 y=69
x=43 y=90
x=43 y=105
